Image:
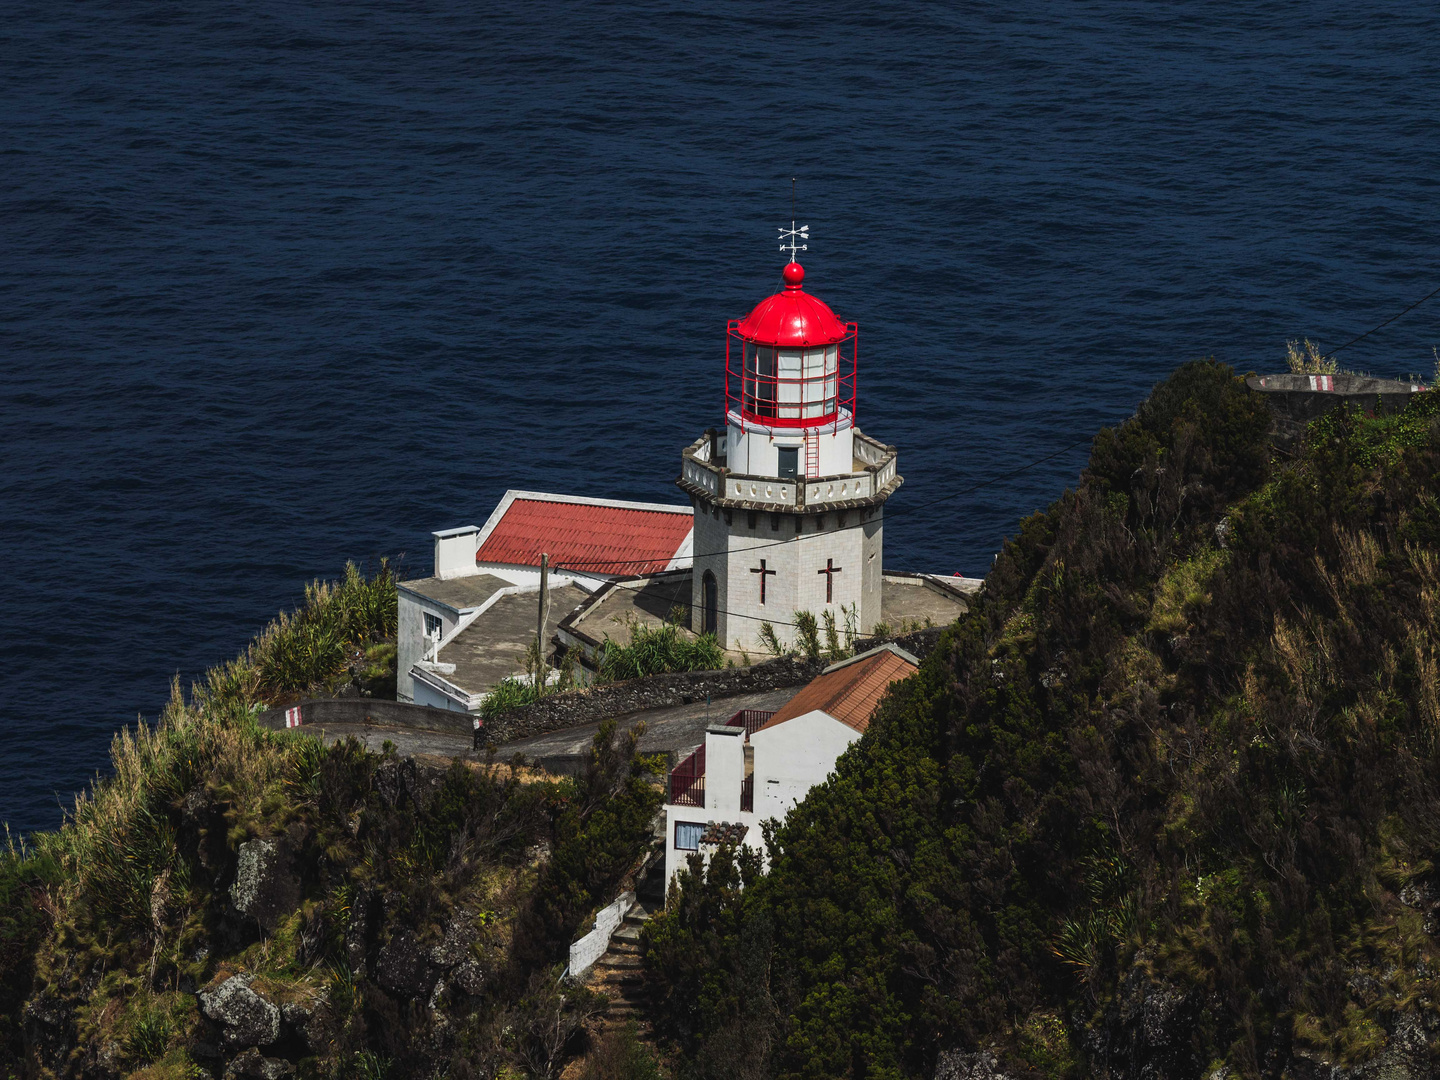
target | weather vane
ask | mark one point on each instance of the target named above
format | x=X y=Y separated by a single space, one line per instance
x=790 y=239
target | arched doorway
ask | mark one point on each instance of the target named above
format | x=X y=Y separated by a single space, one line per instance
x=709 y=604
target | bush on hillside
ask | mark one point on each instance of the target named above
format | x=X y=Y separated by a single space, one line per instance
x=110 y=924
x=310 y=649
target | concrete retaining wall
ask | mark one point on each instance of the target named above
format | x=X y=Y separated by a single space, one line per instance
x=319 y=712
x=661 y=691
x=651 y=692
x=593 y=945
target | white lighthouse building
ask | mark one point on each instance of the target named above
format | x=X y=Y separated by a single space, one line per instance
x=789 y=498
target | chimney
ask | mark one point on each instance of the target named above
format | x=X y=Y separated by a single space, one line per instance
x=455 y=551
x=724 y=768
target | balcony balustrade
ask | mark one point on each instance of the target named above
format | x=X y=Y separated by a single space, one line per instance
x=687 y=781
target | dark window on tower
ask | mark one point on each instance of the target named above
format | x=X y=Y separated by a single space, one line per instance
x=789 y=462
x=751 y=519
x=709 y=604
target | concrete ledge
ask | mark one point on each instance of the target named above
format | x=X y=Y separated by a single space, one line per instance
x=318 y=712
x=1294 y=401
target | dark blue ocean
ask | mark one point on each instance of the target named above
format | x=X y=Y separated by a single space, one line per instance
x=283 y=285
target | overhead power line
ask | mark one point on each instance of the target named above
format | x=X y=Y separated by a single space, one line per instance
x=1384 y=324
x=580 y=564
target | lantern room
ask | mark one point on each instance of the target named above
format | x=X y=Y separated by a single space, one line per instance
x=790 y=385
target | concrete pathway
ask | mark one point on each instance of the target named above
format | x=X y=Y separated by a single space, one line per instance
x=676 y=727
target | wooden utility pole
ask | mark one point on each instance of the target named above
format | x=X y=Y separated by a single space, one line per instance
x=540 y=625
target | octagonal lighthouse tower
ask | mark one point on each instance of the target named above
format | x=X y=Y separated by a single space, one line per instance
x=789 y=498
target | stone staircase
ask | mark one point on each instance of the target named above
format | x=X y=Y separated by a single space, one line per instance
x=619 y=974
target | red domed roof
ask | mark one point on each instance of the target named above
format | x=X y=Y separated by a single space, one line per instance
x=792 y=317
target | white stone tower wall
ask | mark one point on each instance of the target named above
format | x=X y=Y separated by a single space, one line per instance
x=733 y=551
x=755 y=451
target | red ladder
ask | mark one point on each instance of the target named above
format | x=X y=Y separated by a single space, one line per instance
x=812 y=454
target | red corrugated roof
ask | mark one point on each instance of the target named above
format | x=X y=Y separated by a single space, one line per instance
x=578 y=536
x=850 y=693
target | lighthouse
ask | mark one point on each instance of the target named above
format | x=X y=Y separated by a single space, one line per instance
x=789 y=497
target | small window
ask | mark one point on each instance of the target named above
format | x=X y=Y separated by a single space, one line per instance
x=433 y=625
x=789 y=462
x=687 y=835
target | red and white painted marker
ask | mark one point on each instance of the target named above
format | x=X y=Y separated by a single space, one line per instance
x=292 y=716
x=1322 y=382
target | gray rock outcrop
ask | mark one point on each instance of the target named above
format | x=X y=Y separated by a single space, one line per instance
x=248 y=1019
x=404 y=968
x=266 y=887
x=969 y=1065
x=253 y=1065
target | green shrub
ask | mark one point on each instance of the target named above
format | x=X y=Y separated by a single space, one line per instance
x=507 y=694
x=807 y=635
x=310 y=649
x=620 y=1055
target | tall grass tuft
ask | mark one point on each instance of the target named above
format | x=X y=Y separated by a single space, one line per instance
x=807 y=635
x=309 y=649
x=654 y=650
x=1305 y=358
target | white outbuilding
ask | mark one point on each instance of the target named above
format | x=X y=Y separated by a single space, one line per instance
x=760 y=765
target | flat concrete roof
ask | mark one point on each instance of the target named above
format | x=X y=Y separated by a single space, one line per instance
x=913 y=600
x=906 y=602
x=646 y=603
x=459 y=594
x=493 y=646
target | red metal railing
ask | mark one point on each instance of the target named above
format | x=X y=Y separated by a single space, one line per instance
x=687 y=781
x=747 y=794
x=752 y=720
x=755 y=389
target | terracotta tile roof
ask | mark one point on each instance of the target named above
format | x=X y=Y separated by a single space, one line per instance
x=848 y=693
x=582 y=536
x=724 y=833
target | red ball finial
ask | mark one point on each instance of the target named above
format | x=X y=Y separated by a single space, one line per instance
x=794 y=274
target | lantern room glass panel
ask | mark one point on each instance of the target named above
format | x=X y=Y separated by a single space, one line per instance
x=790 y=386
x=760 y=380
